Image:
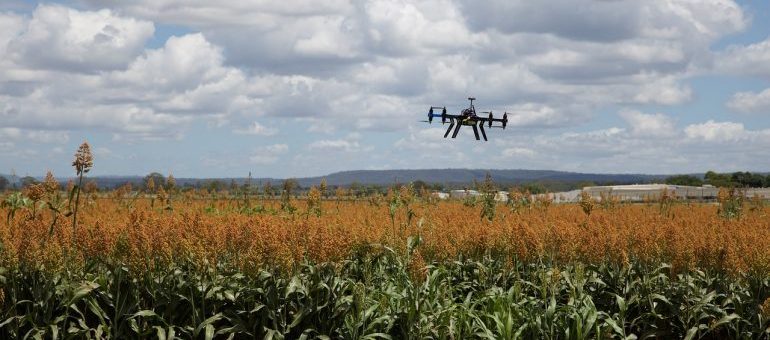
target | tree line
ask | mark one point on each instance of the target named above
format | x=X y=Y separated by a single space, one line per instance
x=739 y=179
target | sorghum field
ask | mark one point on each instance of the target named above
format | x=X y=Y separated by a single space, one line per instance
x=166 y=263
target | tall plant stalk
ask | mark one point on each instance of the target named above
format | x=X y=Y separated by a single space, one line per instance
x=83 y=163
x=75 y=208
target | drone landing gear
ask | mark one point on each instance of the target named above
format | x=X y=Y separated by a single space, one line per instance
x=451 y=125
x=456 y=124
x=457 y=129
x=483 y=133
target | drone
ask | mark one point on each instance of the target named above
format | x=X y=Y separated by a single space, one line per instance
x=467 y=117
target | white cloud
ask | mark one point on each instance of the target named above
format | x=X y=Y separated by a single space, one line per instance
x=33 y=136
x=750 y=60
x=376 y=66
x=268 y=154
x=649 y=124
x=351 y=143
x=712 y=131
x=61 y=38
x=751 y=101
x=255 y=128
x=518 y=152
x=154 y=97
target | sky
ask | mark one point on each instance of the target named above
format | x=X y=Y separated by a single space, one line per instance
x=296 y=88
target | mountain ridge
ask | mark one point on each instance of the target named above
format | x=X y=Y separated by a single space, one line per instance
x=448 y=176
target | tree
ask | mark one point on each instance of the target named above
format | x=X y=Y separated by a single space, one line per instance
x=748 y=180
x=27 y=181
x=420 y=185
x=718 y=180
x=355 y=189
x=4 y=183
x=268 y=190
x=157 y=179
x=684 y=180
x=215 y=185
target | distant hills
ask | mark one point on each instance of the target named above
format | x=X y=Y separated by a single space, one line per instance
x=459 y=176
x=446 y=177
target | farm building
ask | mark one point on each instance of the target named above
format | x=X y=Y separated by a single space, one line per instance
x=640 y=192
x=440 y=195
x=501 y=196
x=463 y=193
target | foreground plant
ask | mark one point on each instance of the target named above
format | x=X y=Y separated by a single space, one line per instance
x=377 y=295
x=83 y=163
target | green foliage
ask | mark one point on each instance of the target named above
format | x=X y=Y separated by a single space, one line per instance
x=286 y=195
x=684 y=180
x=488 y=192
x=374 y=295
x=730 y=203
x=14 y=202
x=519 y=202
x=157 y=180
x=27 y=181
x=749 y=180
x=737 y=179
x=718 y=180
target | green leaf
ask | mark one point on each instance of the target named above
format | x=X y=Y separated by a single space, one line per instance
x=725 y=320
x=82 y=291
x=160 y=332
x=691 y=333
x=206 y=323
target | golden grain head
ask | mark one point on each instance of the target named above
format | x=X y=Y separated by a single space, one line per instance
x=50 y=183
x=84 y=159
x=35 y=192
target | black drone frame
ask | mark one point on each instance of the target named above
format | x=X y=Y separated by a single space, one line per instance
x=467 y=117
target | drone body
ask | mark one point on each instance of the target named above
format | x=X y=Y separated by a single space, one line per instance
x=467 y=117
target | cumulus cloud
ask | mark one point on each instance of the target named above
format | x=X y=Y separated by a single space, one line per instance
x=338 y=66
x=649 y=125
x=34 y=136
x=351 y=143
x=154 y=97
x=518 y=152
x=255 y=128
x=751 y=101
x=268 y=154
x=62 y=38
x=712 y=131
x=750 y=60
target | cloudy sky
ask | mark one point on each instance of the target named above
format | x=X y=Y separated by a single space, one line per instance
x=302 y=87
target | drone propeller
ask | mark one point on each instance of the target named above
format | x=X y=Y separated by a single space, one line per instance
x=505 y=119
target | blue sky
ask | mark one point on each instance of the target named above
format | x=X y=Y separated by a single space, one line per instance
x=301 y=88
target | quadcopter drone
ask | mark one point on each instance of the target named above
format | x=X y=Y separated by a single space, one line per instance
x=467 y=117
